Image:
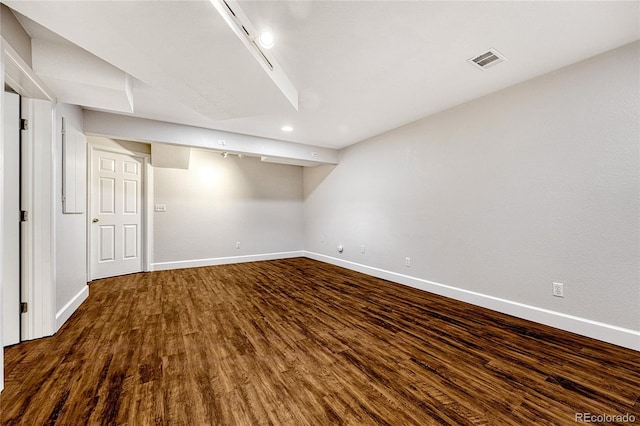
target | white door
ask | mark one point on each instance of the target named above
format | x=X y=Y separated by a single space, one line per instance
x=11 y=221
x=116 y=214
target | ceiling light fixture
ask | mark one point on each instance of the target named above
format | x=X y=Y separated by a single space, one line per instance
x=257 y=43
x=286 y=128
x=266 y=39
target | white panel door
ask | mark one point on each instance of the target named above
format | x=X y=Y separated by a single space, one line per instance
x=11 y=221
x=116 y=216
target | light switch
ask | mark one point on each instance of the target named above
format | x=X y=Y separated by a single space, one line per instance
x=161 y=207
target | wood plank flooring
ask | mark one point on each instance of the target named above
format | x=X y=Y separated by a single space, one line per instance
x=298 y=342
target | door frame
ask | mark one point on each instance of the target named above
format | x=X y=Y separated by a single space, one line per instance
x=15 y=72
x=39 y=231
x=147 y=200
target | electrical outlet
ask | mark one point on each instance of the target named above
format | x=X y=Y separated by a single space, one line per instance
x=362 y=249
x=322 y=239
x=407 y=261
x=237 y=244
x=558 y=289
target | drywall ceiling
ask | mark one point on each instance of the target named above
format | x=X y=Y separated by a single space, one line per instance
x=361 y=68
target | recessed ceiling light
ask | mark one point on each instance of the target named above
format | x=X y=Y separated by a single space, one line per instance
x=266 y=39
x=286 y=128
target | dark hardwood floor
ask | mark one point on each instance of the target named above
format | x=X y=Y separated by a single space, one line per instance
x=299 y=342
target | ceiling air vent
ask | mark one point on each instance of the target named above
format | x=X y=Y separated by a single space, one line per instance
x=488 y=59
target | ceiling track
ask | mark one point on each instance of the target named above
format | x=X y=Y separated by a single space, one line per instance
x=240 y=24
x=252 y=40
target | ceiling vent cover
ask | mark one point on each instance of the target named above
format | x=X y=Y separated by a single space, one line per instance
x=487 y=60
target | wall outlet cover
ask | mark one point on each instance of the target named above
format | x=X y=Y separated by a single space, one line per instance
x=558 y=289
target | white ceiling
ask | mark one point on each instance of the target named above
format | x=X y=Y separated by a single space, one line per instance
x=361 y=68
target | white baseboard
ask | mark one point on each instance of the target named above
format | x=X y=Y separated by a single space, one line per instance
x=608 y=333
x=163 y=266
x=67 y=310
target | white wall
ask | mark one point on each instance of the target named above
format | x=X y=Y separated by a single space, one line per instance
x=502 y=196
x=70 y=229
x=220 y=201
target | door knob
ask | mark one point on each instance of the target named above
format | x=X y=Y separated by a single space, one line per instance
x=95 y=220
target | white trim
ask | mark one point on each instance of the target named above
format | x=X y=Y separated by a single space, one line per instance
x=180 y=264
x=147 y=226
x=89 y=212
x=2 y=80
x=38 y=279
x=147 y=202
x=67 y=310
x=606 y=332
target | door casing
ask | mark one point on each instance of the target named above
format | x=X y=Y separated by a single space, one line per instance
x=39 y=321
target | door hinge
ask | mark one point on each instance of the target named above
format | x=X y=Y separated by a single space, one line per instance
x=24 y=307
x=24 y=124
x=24 y=215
